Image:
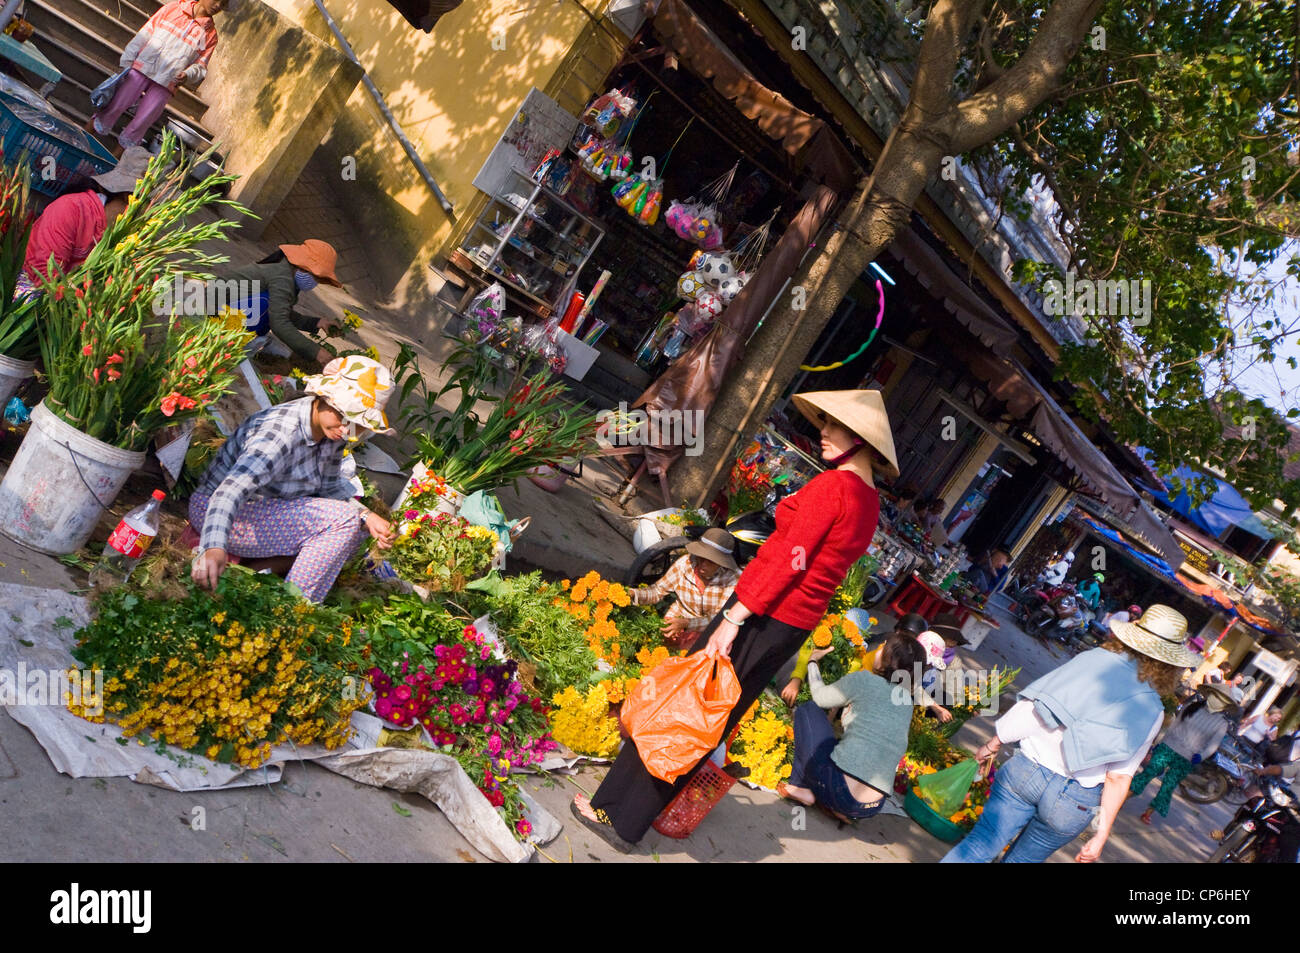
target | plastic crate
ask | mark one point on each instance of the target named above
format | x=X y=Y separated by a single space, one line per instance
x=28 y=134
x=693 y=802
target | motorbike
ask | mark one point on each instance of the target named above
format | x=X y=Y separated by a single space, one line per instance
x=750 y=529
x=1253 y=836
x=1055 y=604
x=1226 y=775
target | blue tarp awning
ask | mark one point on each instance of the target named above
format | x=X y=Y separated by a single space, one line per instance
x=1225 y=509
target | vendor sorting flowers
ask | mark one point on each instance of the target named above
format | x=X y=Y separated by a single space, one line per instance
x=702 y=581
x=275 y=488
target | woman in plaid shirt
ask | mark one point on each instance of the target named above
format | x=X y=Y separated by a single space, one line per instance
x=702 y=581
x=275 y=488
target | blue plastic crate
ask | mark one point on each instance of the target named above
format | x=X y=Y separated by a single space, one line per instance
x=28 y=134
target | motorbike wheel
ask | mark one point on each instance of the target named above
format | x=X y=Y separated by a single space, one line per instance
x=1205 y=786
x=1226 y=852
x=653 y=561
x=1236 y=793
x=1039 y=621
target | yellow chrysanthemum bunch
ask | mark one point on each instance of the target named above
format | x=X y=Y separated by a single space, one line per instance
x=582 y=722
x=763 y=745
x=228 y=690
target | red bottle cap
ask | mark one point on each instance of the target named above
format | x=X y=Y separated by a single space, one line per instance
x=159 y=495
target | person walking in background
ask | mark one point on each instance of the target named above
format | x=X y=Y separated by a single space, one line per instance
x=173 y=47
x=784 y=592
x=1194 y=736
x=1083 y=730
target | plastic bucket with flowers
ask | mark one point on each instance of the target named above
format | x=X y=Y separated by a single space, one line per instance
x=432 y=492
x=941 y=827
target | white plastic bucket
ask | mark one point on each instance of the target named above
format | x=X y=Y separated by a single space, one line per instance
x=450 y=502
x=12 y=375
x=59 y=483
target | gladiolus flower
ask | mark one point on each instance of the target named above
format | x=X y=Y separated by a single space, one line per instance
x=87 y=350
x=114 y=359
x=114 y=373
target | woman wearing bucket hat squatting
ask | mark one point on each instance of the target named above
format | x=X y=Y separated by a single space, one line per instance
x=1083 y=730
x=782 y=594
x=74 y=223
x=275 y=489
x=278 y=279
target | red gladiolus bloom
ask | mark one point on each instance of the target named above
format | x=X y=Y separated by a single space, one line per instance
x=95 y=374
x=58 y=293
x=114 y=359
x=114 y=373
x=87 y=350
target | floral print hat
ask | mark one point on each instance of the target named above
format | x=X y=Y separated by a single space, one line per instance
x=358 y=388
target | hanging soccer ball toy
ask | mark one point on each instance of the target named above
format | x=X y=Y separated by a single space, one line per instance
x=691 y=284
x=716 y=268
x=728 y=288
x=709 y=303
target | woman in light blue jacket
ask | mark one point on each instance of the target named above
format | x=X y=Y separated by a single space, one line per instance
x=1083 y=730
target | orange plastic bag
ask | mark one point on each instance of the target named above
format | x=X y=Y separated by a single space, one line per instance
x=676 y=714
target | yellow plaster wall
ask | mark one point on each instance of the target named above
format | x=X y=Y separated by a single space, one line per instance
x=454 y=92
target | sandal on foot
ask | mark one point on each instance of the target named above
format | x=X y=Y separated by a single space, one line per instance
x=783 y=790
x=603 y=827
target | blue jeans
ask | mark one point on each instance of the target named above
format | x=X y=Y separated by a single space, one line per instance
x=1044 y=808
x=812 y=767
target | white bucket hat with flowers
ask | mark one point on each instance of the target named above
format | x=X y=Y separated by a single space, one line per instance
x=358 y=388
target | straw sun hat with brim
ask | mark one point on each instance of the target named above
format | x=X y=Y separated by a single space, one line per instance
x=128 y=171
x=861 y=411
x=716 y=545
x=315 y=256
x=1161 y=634
x=358 y=388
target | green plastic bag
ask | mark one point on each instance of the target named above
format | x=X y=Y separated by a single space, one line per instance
x=944 y=791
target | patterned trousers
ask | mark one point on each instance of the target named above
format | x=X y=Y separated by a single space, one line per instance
x=1166 y=761
x=323 y=534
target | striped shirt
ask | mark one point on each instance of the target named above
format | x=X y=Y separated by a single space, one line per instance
x=173 y=40
x=696 y=603
x=272 y=454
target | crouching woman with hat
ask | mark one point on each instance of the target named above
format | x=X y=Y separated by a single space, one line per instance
x=782 y=594
x=274 y=284
x=702 y=581
x=275 y=487
x=1083 y=730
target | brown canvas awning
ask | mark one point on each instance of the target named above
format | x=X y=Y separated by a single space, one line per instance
x=813 y=146
x=424 y=14
x=934 y=274
x=1054 y=426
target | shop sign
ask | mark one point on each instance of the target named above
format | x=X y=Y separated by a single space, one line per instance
x=1197 y=558
x=1268 y=663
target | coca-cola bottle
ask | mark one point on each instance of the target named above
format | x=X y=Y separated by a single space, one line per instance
x=128 y=543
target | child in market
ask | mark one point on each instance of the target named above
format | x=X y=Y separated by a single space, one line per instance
x=173 y=47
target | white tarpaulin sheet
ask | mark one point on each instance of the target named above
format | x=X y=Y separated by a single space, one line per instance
x=37 y=635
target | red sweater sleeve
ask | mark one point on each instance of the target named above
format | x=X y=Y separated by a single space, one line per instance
x=782 y=561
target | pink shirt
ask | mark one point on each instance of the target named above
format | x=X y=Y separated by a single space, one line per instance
x=68 y=230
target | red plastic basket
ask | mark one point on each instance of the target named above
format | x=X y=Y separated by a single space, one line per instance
x=701 y=794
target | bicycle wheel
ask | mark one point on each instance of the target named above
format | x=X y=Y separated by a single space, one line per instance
x=653 y=561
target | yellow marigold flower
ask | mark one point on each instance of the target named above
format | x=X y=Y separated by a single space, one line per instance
x=822 y=636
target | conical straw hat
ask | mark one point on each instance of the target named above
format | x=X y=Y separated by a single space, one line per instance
x=862 y=411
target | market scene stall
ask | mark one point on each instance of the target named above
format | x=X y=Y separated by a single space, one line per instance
x=269 y=526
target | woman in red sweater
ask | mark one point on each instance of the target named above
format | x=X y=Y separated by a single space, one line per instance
x=782 y=594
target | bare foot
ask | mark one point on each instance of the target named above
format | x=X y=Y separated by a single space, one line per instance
x=802 y=795
x=583 y=803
